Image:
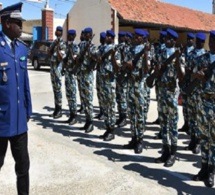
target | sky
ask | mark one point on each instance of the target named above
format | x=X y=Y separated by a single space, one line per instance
x=32 y=10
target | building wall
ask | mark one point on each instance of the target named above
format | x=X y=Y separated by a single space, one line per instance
x=29 y=24
x=96 y=14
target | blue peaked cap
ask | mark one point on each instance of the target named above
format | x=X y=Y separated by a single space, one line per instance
x=102 y=35
x=88 y=30
x=172 y=33
x=164 y=33
x=129 y=34
x=59 y=28
x=140 y=32
x=13 y=11
x=190 y=35
x=146 y=33
x=212 y=33
x=72 y=32
x=110 y=33
x=201 y=36
x=121 y=33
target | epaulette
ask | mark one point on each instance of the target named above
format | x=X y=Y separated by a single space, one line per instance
x=21 y=41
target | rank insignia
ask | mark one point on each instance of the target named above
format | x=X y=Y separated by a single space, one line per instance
x=4 y=64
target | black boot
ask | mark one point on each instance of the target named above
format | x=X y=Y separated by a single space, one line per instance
x=89 y=126
x=209 y=181
x=197 y=147
x=171 y=159
x=81 y=110
x=159 y=135
x=185 y=127
x=85 y=126
x=72 y=119
x=58 y=112
x=100 y=116
x=121 y=122
x=156 y=122
x=165 y=154
x=131 y=144
x=192 y=144
x=138 y=146
x=202 y=174
x=110 y=134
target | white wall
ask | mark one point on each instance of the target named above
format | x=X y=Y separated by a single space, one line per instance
x=90 y=13
x=59 y=22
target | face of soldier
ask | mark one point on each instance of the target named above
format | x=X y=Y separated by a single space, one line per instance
x=71 y=37
x=212 y=44
x=190 y=42
x=109 y=39
x=14 y=28
x=199 y=44
x=88 y=36
x=138 y=39
x=170 y=41
x=58 y=34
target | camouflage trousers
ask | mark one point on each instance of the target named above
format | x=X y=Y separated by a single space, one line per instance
x=109 y=97
x=168 y=116
x=70 y=84
x=136 y=107
x=146 y=94
x=56 y=80
x=86 y=89
x=185 y=106
x=121 y=96
x=99 y=90
x=192 y=102
x=79 y=88
x=206 y=123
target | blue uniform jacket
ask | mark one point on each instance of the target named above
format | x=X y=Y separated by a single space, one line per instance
x=15 y=98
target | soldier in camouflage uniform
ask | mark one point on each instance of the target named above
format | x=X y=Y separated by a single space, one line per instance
x=206 y=113
x=188 y=50
x=137 y=69
x=99 y=89
x=69 y=63
x=192 y=100
x=158 y=51
x=87 y=54
x=81 y=110
x=56 y=51
x=168 y=72
x=121 y=86
x=109 y=63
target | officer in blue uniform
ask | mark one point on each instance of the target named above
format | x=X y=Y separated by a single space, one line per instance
x=15 y=101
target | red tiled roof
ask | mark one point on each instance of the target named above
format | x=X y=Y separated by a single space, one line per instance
x=165 y=14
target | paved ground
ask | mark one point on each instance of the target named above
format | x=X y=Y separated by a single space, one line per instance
x=66 y=161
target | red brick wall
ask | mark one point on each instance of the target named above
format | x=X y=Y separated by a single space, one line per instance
x=47 y=21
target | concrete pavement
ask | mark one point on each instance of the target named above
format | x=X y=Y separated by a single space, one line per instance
x=66 y=161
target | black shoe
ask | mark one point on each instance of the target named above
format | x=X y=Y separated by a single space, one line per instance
x=84 y=127
x=196 y=149
x=131 y=144
x=170 y=161
x=138 y=147
x=89 y=128
x=185 y=128
x=202 y=174
x=121 y=122
x=156 y=122
x=81 y=110
x=164 y=156
x=209 y=181
x=72 y=119
x=58 y=112
x=102 y=117
x=110 y=134
x=192 y=143
x=158 y=136
x=104 y=135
